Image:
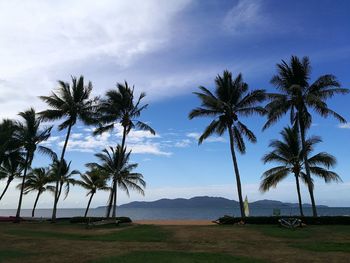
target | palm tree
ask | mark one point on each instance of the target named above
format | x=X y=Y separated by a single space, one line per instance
x=115 y=163
x=8 y=141
x=11 y=168
x=62 y=174
x=30 y=135
x=120 y=107
x=230 y=101
x=93 y=181
x=37 y=180
x=298 y=96
x=71 y=103
x=288 y=153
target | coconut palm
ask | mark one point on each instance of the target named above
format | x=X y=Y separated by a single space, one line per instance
x=298 y=96
x=288 y=153
x=8 y=141
x=93 y=181
x=64 y=176
x=115 y=163
x=37 y=180
x=120 y=107
x=11 y=168
x=71 y=103
x=230 y=101
x=30 y=135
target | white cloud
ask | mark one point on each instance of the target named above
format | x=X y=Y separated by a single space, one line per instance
x=76 y=135
x=45 y=41
x=140 y=142
x=245 y=17
x=196 y=135
x=183 y=143
x=344 y=125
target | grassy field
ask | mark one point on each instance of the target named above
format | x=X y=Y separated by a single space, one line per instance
x=63 y=242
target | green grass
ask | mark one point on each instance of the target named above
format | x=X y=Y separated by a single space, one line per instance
x=324 y=246
x=175 y=257
x=11 y=254
x=280 y=232
x=142 y=233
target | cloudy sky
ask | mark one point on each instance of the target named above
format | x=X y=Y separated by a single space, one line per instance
x=168 y=49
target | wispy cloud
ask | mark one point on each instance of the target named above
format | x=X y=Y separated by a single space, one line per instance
x=344 y=125
x=245 y=17
x=82 y=140
x=196 y=135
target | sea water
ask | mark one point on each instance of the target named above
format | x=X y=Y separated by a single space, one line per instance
x=176 y=213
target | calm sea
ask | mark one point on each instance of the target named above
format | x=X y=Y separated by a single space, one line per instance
x=175 y=213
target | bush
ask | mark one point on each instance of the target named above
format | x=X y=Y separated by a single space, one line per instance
x=272 y=220
x=80 y=219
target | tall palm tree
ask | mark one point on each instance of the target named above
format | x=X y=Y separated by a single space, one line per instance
x=298 y=96
x=71 y=103
x=230 y=101
x=93 y=181
x=30 y=135
x=288 y=153
x=115 y=163
x=37 y=180
x=11 y=168
x=121 y=107
x=65 y=177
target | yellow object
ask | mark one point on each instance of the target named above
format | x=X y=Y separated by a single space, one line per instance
x=246 y=206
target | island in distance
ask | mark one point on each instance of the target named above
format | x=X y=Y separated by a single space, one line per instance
x=205 y=202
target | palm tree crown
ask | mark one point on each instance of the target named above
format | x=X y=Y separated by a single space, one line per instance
x=288 y=153
x=37 y=180
x=11 y=168
x=65 y=176
x=71 y=102
x=115 y=163
x=230 y=101
x=119 y=106
x=92 y=181
x=297 y=95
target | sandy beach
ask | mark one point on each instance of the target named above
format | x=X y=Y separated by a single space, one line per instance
x=175 y=222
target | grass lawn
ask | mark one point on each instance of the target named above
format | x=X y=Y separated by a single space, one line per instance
x=44 y=242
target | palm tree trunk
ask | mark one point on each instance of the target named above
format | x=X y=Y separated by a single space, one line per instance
x=238 y=179
x=307 y=168
x=54 y=210
x=26 y=164
x=6 y=187
x=59 y=192
x=88 y=206
x=110 y=201
x=36 y=201
x=115 y=202
x=299 y=195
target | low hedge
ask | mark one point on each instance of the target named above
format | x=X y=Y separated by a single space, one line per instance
x=272 y=220
x=80 y=219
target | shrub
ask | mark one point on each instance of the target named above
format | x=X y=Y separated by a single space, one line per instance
x=80 y=219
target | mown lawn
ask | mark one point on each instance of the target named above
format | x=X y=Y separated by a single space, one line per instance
x=44 y=242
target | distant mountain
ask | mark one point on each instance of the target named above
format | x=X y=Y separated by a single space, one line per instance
x=207 y=202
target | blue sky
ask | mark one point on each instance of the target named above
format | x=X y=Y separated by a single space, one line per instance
x=168 y=49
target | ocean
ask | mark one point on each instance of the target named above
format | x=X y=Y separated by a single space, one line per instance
x=176 y=213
